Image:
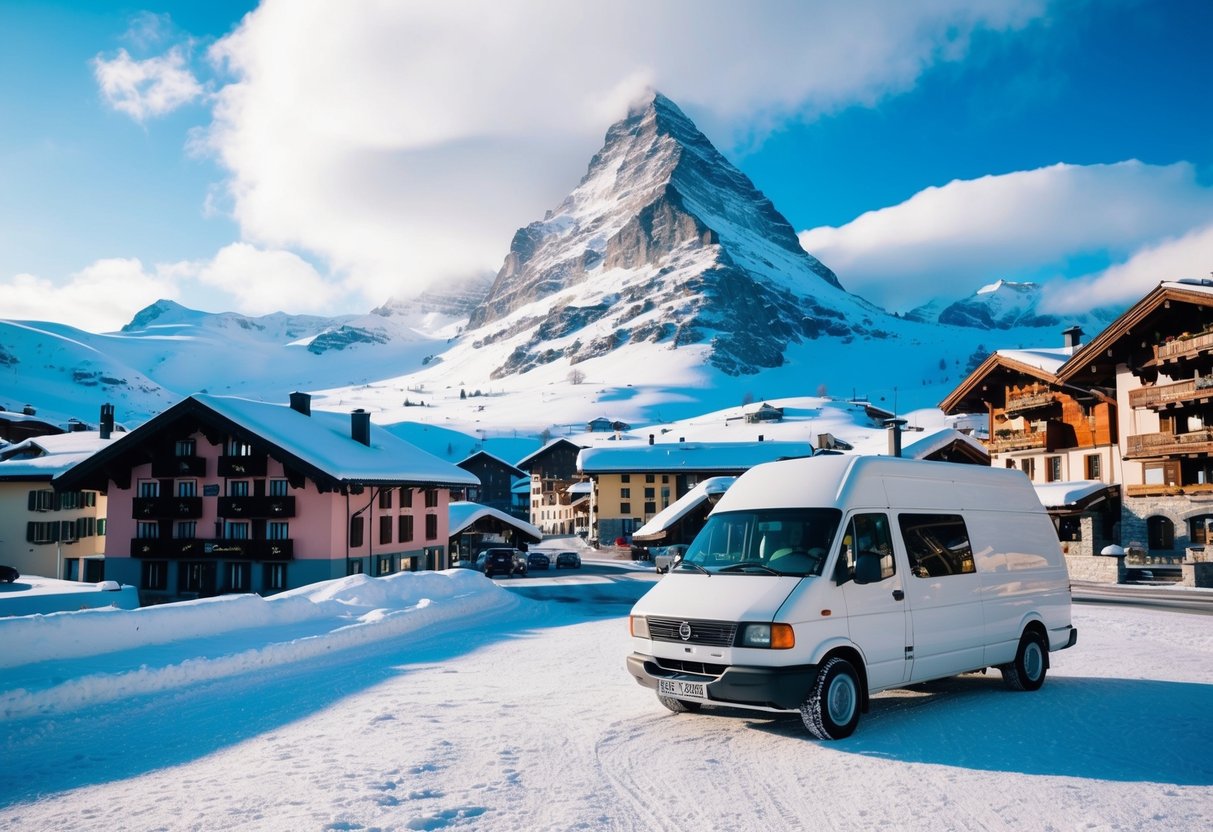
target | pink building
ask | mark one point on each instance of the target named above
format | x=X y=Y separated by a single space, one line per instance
x=220 y=494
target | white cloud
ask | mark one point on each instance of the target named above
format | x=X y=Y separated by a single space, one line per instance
x=1189 y=256
x=151 y=87
x=406 y=142
x=100 y=298
x=261 y=282
x=949 y=241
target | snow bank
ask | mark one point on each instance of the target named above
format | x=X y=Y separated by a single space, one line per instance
x=343 y=613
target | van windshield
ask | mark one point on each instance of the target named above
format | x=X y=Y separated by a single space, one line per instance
x=783 y=541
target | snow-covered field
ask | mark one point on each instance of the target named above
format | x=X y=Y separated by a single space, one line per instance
x=448 y=701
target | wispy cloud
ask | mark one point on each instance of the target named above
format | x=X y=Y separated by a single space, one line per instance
x=261 y=282
x=99 y=298
x=146 y=88
x=950 y=240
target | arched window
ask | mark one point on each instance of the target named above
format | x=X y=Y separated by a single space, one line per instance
x=1161 y=532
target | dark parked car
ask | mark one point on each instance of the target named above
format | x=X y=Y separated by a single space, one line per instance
x=537 y=560
x=501 y=562
x=569 y=559
x=8 y=574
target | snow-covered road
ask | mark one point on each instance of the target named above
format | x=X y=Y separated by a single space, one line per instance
x=521 y=717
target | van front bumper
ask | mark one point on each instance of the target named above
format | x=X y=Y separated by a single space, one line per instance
x=780 y=688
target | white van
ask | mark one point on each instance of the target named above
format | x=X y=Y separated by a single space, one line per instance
x=817 y=582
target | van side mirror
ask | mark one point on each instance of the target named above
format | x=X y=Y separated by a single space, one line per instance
x=842 y=573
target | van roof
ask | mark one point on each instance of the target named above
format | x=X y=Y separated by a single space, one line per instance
x=880 y=482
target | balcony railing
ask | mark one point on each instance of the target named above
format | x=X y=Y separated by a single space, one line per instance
x=1161 y=490
x=166 y=508
x=1184 y=347
x=195 y=548
x=166 y=467
x=242 y=466
x=1018 y=441
x=1164 y=394
x=1169 y=444
x=1030 y=400
x=256 y=506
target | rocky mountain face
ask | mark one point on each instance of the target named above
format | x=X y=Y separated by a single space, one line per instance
x=1006 y=305
x=664 y=240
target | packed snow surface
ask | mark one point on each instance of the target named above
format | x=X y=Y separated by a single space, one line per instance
x=435 y=701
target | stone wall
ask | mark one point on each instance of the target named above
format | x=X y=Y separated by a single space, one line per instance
x=1197 y=574
x=1097 y=569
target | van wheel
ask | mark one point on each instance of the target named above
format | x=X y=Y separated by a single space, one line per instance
x=1027 y=672
x=831 y=711
x=679 y=706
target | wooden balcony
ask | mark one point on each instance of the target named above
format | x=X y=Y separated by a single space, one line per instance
x=1165 y=395
x=1160 y=490
x=1147 y=445
x=1183 y=348
x=167 y=467
x=1030 y=400
x=257 y=507
x=197 y=549
x=1018 y=441
x=166 y=508
x=242 y=466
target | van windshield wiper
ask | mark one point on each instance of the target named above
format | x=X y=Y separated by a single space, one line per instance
x=694 y=565
x=750 y=564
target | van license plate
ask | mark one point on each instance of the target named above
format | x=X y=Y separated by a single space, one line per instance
x=674 y=687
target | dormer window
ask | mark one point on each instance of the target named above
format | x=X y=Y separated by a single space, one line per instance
x=237 y=447
x=185 y=447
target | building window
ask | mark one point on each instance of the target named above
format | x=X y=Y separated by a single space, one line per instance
x=277 y=530
x=383 y=565
x=275 y=576
x=154 y=575
x=236 y=447
x=149 y=488
x=385 y=530
x=185 y=447
x=405 y=528
x=650 y=493
x=236 y=577
x=625 y=493
x=431 y=498
x=1028 y=466
x=650 y=478
x=1054 y=469
x=1069 y=529
x=197 y=576
x=406 y=497
x=353 y=566
x=42 y=501
x=650 y=508
x=1161 y=473
x=625 y=477
x=431 y=527
x=147 y=531
x=235 y=530
x=279 y=488
x=385 y=498
x=237 y=488
x=355 y=532
x=1161 y=532
x=187 y=488
x=185 y=530
x=1094 y=467
x=625 y=508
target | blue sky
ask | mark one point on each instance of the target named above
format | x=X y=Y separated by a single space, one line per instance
x=320 y=157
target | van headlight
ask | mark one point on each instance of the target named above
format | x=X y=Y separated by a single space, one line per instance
x=639 y=626
x=768 y=636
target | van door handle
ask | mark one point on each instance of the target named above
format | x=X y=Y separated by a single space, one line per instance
x=898 y=595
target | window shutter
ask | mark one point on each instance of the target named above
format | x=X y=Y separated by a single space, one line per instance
x=30 y=532
x=33 y=501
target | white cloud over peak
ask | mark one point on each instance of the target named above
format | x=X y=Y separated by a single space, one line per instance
x=404 y=143
x=146 y=88
x=262 y=282
x=99 y=298
x=948 y=241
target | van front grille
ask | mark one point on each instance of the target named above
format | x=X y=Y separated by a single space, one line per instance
x=711 y=633
x=699 y=668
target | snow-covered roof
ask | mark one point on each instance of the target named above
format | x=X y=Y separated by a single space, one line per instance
x=687 y=456
x=939 y=440
x=463 y=514
x=1069 y=494
x=528 y=459
x=684 y=505
x=44 y=457
x=583 y=488
x=491 y=457
x=319 y=444
x=1047 y=359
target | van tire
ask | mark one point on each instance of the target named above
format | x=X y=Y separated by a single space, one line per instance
x=1031 y=663
x=679 y=706
x=831 y=711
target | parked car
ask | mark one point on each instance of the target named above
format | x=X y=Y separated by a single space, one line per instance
x=569 y=559
x=8 y=574
x=464 y=563
x=665 y=556
x=500 y=562
x=537 y=560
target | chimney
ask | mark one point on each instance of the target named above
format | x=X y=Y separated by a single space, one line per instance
x=302 y=403
x=760 y=437
x=650 y=439
x=29 y=410
x=360 y=426
x=895 y=426
x=1073 y=338
x=107 y=420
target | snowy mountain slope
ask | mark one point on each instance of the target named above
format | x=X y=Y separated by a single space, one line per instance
x=1005 y=305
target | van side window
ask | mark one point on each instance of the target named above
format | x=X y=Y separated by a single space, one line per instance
x=867 y=549
x=937 y=544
